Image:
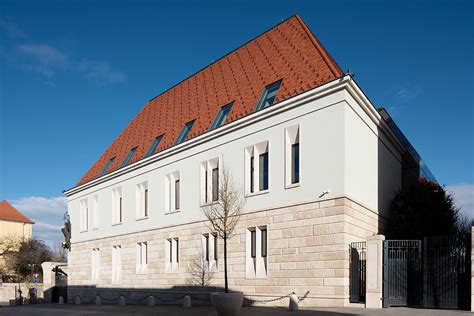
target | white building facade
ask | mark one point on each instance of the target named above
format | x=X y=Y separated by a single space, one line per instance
x=317 y=172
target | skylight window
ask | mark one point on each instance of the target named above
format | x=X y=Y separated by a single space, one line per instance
x=268 y=96
x=129 y=156
x=222 y=116
x=184 y=132
x=153 y=146
x=107 y=166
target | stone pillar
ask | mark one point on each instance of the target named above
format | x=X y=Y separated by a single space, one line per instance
x=374 y=269
x=472 y=269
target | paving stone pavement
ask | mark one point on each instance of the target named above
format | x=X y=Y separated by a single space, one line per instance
x=136 y=310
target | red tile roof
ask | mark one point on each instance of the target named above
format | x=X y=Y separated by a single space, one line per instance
x=288 y=51
x=9 y=213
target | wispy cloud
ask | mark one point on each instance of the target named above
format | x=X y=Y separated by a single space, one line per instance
x=464 y=198
x=47 y=213
x=402 y=95
x=11 y=29
x=48 y=60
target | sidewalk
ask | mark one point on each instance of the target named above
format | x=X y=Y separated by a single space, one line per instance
x=136 y=310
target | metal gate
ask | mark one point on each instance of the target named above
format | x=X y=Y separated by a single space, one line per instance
x=446 y=272
x=433 y=273
x=357 y=272
x=402 y=273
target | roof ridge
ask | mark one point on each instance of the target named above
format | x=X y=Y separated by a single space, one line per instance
x=330 y=62
x=225 y=55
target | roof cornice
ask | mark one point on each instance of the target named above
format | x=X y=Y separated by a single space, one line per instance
x=344 y=83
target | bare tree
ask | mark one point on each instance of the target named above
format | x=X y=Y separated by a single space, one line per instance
x=200 y=271
x=59 y=253
x=224 y=214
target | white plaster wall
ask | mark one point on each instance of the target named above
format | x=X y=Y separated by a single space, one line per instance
x=321 y=168
x=373 y=167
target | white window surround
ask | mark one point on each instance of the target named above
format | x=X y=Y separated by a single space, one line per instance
x=142 y=201
x=254 y=179
x=292 y=136
x=172 y=192
x=95 y=266
x=210 y=181
x=84 y=215
x=117 y=264
x=172 y=255
x=142 y=258
x=117 y=206
x=210 y=251
x=95 y=212
x=256 y=266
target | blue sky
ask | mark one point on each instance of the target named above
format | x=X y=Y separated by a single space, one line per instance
x=73 y=75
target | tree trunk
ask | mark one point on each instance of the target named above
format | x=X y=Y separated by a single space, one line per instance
x=225 y=264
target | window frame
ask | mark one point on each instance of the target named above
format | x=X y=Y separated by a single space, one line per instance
x=293 y=162
x=264 y=96
x=221 y=116
x=107 y=166
x=129 y=156
x=183 y=135
x=154 y=145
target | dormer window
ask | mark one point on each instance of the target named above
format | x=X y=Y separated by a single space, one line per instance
x=268 y=96
x=222 y=116
x=129 y=156
x=184 y=132
x=107 y=166
x=153 y=146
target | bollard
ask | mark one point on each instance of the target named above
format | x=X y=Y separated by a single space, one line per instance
x=61 y=300
x=98 y=301
x=151 y=301
x=121 y=300
x=77 y=300
x=187 y=301
x=293 y=302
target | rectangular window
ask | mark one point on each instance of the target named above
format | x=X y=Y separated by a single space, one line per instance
x=95 y=212
x=257 y=167
x=263 y=171
x=268 y=96
x=184 y=132
x=117 y=206
x=263 y=239
x=256 y=252
x=153 y=146
x=142 y=257
x=295 y=163
x=128 y=157
x=221 y=116
x=116 y=264
x=172 y=192
x=142 y=200
x=106 y=167
x=206 y=247
x=84 y=215
x=252 y=174
x=172 y=255
x=253 y=240
x=292 y=155
x=210 y=181
x=216 y=248
x=176 y=194
x=95 y=266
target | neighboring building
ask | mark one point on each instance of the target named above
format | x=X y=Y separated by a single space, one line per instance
x=13 y=224
x=316 y=161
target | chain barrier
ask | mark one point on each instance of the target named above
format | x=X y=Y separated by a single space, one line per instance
x=194 y=298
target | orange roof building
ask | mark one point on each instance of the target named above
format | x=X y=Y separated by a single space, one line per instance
x=13 y=223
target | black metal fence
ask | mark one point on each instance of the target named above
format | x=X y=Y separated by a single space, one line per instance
x=357 y=272
x=433 y=273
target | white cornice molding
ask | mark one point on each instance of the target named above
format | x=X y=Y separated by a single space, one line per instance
x=346 y=82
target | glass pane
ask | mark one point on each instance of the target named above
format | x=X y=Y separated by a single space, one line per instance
x=153 y=146
x=295 y=163
x=107 y=166
x=253 y=243
x=128 y=157
x=264 y=242
x=251 y=175
x=263 y=172
x=268 y=96
x=184 y=132
x=176 y=195
x=215 y=184
x=221 y=116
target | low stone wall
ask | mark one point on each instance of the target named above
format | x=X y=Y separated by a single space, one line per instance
x=9 y=290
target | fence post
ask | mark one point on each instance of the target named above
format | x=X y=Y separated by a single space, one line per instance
x=374 y=266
